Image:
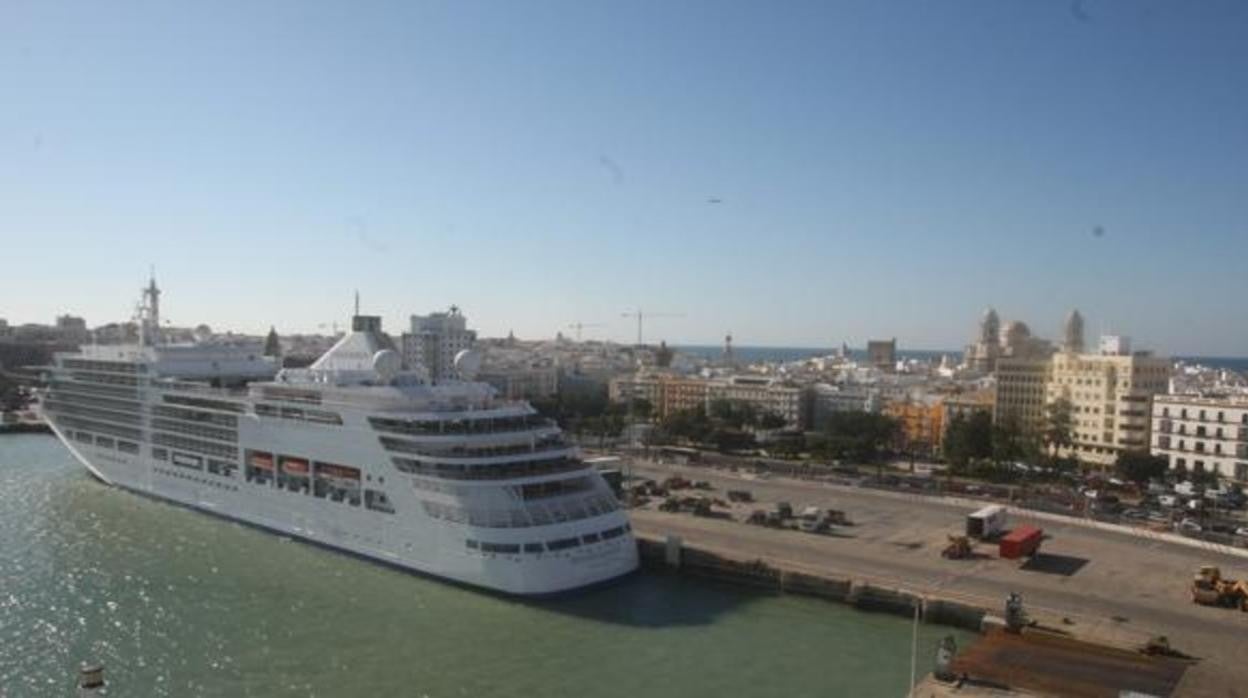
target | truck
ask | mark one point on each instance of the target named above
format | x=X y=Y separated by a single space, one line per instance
x=986 y=523
x=1023 y=541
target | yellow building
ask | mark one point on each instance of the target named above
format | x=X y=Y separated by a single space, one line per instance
x=921 y=423
x=965 y=404
x=677 y=394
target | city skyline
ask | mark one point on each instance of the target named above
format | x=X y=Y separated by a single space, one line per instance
x=832 y=173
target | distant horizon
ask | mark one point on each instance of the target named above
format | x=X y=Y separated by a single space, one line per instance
x=569 y=335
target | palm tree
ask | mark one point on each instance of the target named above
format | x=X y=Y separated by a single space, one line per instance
x=1059 y=425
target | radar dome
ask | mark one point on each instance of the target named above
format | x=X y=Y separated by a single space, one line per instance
x=468 y=363
x=387 y=363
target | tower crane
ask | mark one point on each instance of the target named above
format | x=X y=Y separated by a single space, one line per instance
x=641 y=315
x=578 y=326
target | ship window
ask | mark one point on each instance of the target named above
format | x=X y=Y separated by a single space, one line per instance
x=83 y=437
x=472 y=544
x=590 y=538
x=160 y=454
x=187 y=460
x=127 y=447
x=292 y=413
x=613 y=533
x=378 y=501
x=203 y=402
x=533 y=548
x=322 y=417
x=562 y=544
x=218 y=467
x=504 y=548
x=103 y=442
x=264 y=410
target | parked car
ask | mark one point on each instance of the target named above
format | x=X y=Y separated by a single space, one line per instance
x=1187 y=526
x=1168 y=500
x=1139 y=514
x=1242 y=531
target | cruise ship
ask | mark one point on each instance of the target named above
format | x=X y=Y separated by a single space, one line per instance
x=357 y=452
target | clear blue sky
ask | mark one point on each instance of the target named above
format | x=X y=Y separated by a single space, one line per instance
x=885 y=168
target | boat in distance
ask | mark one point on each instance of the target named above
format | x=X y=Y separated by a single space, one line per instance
x=360 y=452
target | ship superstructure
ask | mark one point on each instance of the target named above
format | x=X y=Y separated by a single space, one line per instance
x=357 y=452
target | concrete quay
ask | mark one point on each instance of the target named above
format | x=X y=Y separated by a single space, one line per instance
x=1101 y=585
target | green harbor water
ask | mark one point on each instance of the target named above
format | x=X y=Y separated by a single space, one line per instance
x=177 y=603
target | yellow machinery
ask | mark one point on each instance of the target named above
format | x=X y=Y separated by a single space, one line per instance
x=959 y=548
x=1210 y=588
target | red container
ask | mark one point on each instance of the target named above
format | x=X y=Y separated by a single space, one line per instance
x=1024 y=540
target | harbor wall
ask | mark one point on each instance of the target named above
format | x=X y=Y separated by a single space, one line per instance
x=673 y=556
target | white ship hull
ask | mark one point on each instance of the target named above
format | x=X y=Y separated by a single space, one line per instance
x=427 y=547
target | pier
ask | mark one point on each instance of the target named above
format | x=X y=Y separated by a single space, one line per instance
x=1040 y=659
x=1092 y=585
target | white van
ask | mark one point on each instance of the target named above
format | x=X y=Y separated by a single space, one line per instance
x=987 y=522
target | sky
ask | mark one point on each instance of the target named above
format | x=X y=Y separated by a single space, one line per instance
x=795 y=173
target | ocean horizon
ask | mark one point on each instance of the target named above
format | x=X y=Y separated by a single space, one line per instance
x=752 y=354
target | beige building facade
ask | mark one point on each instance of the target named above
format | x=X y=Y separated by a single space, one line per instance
x=1110 y=397
x=669 y=394
x=1111 y=400
x=1022 y=385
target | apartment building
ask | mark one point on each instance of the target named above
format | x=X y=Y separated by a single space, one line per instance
x=434 y=340
x=1207 y=434
x=1022 y=385
x=767 y=394
x=1111 y=397
x=669 y=393
x=921 y=423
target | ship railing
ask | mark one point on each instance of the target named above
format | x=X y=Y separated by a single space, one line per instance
x=198 y=388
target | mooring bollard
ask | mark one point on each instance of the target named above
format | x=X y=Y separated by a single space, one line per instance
x=945 y=652
x=1015 y=616
x=90 y=680
x=672 y=551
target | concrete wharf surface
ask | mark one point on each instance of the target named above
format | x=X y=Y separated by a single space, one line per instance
x=1101 y=585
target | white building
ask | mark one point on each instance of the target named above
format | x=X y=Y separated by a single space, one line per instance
x=766 y=394
x=824 y=399
x=522 y=382
x=1202 y=434
x=434 y=341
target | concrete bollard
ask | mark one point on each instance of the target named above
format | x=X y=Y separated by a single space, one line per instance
x=90 y=680
x=672 y=551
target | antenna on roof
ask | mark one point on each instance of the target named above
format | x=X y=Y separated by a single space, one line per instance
x=357 y=301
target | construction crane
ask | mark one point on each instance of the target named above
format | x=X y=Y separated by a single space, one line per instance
x=641 y=315
x=578 y=326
